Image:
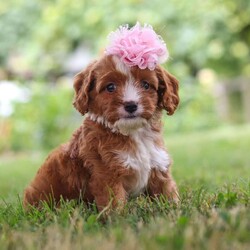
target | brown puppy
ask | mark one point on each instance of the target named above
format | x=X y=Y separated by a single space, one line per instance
x=119 y=149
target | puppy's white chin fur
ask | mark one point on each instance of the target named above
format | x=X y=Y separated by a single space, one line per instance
x=127 y=126
x=123 y=126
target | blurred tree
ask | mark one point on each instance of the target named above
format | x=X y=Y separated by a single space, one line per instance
x=43 y=122
x=18 y=20
x=199 y=34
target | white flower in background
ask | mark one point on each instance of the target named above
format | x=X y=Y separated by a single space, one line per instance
x=10 y=92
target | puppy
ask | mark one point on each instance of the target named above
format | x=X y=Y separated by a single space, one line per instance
x=119 y=150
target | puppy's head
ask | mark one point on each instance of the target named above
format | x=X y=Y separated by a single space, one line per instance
x=122 y=97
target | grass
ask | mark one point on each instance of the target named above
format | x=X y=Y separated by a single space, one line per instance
x=211 y=169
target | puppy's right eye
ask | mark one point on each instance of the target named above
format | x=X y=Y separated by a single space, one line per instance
x=111 y=87
x=145 y=84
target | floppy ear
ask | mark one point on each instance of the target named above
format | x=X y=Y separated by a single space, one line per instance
x=167 y=91
x=83 y=83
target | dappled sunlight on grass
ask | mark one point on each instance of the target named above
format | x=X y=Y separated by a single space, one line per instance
x=16 y=171
x=211 y=158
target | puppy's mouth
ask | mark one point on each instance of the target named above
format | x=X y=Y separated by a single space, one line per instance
x=129 y=124
x=129 y=117
x=125 y=125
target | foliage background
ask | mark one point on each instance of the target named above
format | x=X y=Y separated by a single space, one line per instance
x=208 y=42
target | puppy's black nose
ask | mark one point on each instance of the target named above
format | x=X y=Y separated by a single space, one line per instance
x=130 y=107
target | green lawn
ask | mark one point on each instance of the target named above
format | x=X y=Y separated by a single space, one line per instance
x=212 y=169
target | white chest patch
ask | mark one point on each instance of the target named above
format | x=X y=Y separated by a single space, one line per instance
x=146 y=157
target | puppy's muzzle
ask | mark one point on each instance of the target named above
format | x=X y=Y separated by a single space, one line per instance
x=130 y=107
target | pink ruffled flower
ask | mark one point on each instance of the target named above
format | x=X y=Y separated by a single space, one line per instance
x=138 y=46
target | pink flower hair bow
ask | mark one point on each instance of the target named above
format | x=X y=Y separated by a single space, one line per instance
x=139 y=46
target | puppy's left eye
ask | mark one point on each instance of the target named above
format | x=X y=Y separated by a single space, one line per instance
x=111 y=87
x=145 y=84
